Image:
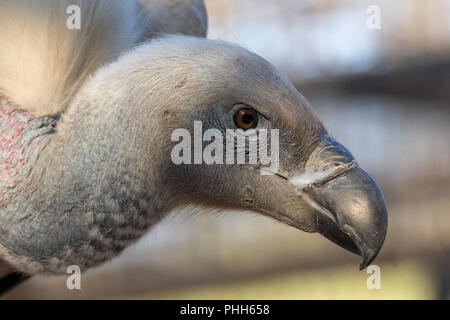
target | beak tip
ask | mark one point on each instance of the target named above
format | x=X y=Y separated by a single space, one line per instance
x=368 y=255
x=365 y=263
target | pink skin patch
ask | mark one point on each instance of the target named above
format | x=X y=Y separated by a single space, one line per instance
x=22 y=139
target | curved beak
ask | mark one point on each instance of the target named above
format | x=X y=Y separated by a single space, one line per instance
x=349 y=206
x=358 y=220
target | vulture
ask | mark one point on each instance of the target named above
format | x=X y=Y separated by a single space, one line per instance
x=87 y=115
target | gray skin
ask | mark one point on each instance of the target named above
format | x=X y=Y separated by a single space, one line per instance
x=105 y=177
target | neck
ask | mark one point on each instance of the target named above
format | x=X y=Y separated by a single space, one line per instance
x=80 y=195
x=103 y=179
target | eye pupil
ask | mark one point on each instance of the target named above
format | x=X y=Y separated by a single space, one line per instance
x=246 y=118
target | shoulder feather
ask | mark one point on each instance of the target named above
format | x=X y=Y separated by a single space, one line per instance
x=43 y=62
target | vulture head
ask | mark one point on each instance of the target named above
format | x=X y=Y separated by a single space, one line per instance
x=317 y=185
x=93 y=181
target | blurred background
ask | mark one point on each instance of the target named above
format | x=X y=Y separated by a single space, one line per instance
x=382 y=88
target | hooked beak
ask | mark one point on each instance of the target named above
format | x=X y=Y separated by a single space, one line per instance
x=350 y=208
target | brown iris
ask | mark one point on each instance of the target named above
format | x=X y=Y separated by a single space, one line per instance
x=246 y=118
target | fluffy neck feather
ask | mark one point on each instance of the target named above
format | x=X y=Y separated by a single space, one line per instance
x=43 y=63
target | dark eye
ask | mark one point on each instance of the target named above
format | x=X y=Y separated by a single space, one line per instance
x=246 y=118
